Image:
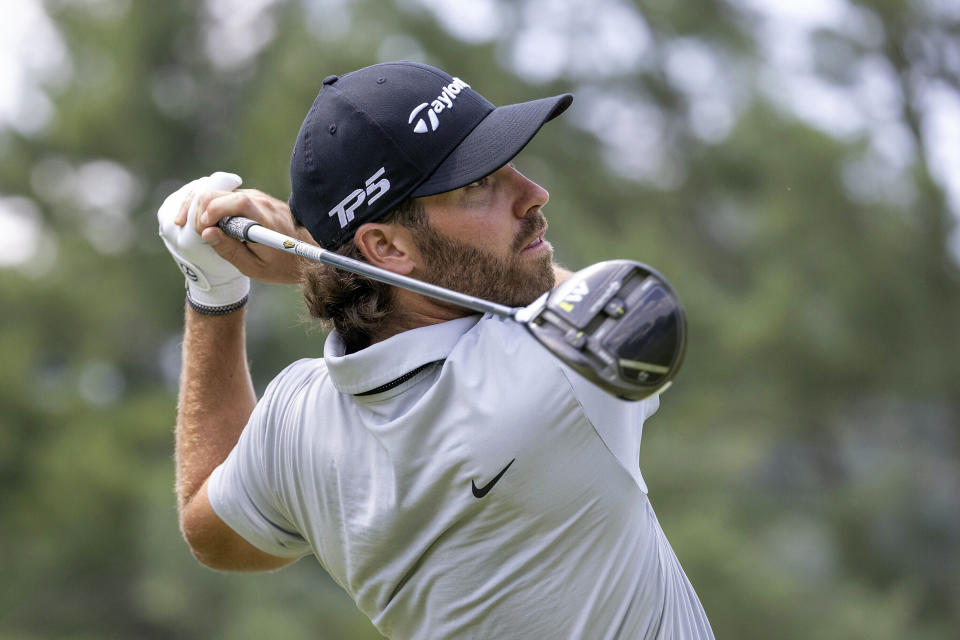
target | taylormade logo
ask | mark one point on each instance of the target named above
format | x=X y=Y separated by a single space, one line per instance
x=375 y=186
x=575 y=295
x=432 y=109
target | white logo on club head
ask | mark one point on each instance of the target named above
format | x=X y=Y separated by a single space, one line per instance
x=421 y=126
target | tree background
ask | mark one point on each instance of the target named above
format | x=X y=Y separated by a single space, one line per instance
x=791 y=167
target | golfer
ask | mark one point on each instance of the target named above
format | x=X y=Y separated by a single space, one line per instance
x=455 y=478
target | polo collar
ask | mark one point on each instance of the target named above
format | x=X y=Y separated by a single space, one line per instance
x=390 y=359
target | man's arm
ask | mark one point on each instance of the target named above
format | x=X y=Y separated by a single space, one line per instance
x=216 y=395
x=216 y=400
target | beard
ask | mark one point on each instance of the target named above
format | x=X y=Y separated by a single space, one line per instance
x=513 y=281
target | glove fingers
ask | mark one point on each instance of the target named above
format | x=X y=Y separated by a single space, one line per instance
x=188 y=234
x=218 y=181
x=223 y=181
x=167 y=212
x=192 y=216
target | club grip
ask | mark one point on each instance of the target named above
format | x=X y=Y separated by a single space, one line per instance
x=236 y=226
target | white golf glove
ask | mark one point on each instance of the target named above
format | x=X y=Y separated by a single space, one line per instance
x=214 y=285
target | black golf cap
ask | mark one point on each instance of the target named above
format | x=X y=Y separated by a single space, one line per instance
x=382 y=134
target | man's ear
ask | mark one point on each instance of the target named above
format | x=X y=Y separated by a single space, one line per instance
x=389 y=246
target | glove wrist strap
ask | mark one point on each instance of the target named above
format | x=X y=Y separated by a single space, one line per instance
x=216 y=311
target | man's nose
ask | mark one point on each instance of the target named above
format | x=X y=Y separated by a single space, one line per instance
x=530 y=196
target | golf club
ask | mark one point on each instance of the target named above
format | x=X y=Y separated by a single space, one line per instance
x=618 y=323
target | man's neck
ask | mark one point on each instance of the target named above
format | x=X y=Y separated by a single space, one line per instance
x=414 y=311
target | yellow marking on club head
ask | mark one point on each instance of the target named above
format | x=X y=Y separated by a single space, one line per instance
x=643 y=366
x=287 y=244
x=566 y=306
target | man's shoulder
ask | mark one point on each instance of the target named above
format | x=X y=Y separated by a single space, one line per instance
x=504 y=329
x=302 y=368
x=291 y=392
x=508 y=358
x=295 y=376
x=506 y=339
x=507 y=347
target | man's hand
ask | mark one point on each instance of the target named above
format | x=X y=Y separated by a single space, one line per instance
x=212 y=281
x=254 y=260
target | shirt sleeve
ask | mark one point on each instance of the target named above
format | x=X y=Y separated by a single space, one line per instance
x=240 y=490
x=619 y=423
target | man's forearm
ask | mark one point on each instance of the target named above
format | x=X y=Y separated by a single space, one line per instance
x=216 y=397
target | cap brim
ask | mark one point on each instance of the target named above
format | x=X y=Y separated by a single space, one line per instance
x=493 y=143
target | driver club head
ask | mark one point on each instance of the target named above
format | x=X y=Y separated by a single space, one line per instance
x=618 y=323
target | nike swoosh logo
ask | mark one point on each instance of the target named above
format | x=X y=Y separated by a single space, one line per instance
x=485 y=489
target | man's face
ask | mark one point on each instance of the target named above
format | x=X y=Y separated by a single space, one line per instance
x=486 y=239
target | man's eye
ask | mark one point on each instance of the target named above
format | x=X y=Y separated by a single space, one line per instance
x=482 y=182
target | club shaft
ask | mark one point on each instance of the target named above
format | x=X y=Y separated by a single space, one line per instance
x=248 y=230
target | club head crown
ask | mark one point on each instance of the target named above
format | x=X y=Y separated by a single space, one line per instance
x=618 y=323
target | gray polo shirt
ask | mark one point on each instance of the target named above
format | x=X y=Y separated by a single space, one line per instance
x=494 y=493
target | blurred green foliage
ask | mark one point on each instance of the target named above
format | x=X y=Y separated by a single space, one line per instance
x=805 y=465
